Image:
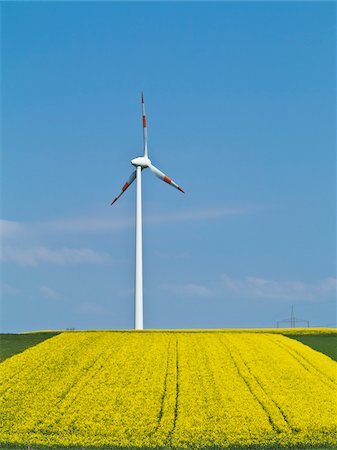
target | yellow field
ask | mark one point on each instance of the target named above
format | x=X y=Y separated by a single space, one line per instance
x=173 y=389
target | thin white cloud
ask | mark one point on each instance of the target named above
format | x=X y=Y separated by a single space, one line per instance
x=91 y=308
x=328 y=285
x=127 y=292
x=116 y=223
x=10 y=229
x=267 y=289
x=89 y=225
x=258 y=289
x=49 y=293
x=36 y=256
x=188 y=290
x=7 y=289
x=199 y=214
x=171 y=255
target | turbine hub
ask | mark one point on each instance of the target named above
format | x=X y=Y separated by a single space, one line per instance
x=142 y=161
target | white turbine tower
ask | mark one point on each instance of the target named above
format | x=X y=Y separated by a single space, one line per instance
x=142 y=162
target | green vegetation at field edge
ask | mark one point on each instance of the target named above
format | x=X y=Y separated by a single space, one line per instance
x=324 y=343
x=10 y=344
x=250 y=447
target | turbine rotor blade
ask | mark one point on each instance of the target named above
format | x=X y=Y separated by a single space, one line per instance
x=131 y=179
x=164 y=177
x=144 y=127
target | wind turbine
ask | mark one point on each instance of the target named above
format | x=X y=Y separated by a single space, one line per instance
x=141 y=163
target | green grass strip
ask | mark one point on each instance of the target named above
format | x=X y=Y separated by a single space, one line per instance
x=324 y=343
x=11 y=344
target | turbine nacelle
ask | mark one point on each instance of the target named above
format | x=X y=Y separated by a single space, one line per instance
x=141 y=161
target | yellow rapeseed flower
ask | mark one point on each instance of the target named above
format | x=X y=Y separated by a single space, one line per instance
x=174 y=389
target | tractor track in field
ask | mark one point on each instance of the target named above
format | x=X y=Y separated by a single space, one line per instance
x=305 y=363
x=246 y=380
x=170 y=434
x=170 y=391
x=85 y=369
x=162 y=401
x=293 y=429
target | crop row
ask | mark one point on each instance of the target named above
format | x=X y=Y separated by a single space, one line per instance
x=168 y=389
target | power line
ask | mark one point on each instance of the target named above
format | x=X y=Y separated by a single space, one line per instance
x=292 y=320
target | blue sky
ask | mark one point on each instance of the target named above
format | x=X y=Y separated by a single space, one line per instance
x=240 y=101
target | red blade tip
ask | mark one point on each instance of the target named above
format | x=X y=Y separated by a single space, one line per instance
x=181 y=190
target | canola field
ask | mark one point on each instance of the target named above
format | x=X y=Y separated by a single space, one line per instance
x=169 y=390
